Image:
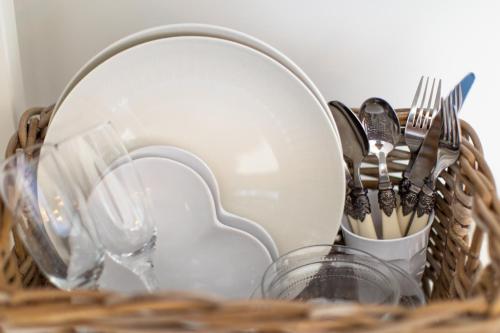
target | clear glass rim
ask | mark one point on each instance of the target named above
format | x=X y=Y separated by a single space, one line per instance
x=40 y=147
x=69 y=137
x=123 y=155
x=28 y=150
x=7 y=165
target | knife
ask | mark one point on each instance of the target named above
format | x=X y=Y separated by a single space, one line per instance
x=421 y=169
x=355 y=147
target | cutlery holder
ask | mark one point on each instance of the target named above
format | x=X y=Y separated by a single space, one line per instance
x=408 y=253
x=461 y=279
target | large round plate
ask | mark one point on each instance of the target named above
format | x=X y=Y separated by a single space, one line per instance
x=192 y=29
x=261 y=131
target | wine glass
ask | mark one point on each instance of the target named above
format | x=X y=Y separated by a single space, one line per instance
x=118 y=202
x=51 y=218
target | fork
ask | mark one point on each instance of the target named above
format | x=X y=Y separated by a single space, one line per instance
x=448 y=153
x=424 y=107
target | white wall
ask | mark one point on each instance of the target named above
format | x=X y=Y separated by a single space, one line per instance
x=351 y=49
x=6 y=121
x=7 y=53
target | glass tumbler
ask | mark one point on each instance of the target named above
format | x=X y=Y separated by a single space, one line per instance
x=330 y=274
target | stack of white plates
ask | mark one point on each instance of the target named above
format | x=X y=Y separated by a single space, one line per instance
x=201 y=246
x=240 y=106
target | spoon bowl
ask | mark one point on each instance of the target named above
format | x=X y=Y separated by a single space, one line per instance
x=381 y=124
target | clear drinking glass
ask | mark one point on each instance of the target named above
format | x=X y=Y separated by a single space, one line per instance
x=118 y=202
x=330 y=274
x=51 y=218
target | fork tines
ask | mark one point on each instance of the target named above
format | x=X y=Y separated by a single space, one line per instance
x=451 y=123
x=425 y=103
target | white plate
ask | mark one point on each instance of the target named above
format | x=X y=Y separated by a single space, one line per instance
x=202 y=169
x=192 y=29
x=194 y=250
x=264 y=135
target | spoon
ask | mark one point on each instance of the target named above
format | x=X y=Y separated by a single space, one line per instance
x=382 y=127
x=355 y=146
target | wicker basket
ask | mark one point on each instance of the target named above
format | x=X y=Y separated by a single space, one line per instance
x=461 y=290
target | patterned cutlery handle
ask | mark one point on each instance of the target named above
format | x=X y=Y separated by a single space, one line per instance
x=425 y=206
x=390 y=224
x=349 y=206
x=359 y=214
x=348 y=212
x=409 y=200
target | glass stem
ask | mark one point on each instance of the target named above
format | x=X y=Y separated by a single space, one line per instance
x=148 y=278
x=142 y=266
x=90 y=285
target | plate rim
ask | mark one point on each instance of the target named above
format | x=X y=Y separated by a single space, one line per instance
x=192 y=29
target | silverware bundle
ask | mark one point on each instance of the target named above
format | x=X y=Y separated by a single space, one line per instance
x=432 y=134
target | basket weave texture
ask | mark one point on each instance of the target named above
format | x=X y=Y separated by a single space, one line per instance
x=462 y=290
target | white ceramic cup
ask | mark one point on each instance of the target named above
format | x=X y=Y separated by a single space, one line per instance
x=408 y=253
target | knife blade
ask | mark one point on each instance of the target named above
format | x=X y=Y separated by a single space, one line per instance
x=426 y=158
x=421 y=169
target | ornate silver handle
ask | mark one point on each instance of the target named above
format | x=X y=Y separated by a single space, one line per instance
x=409 y=199
x=387 y=203
x=425 y=206
x=359 y=213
